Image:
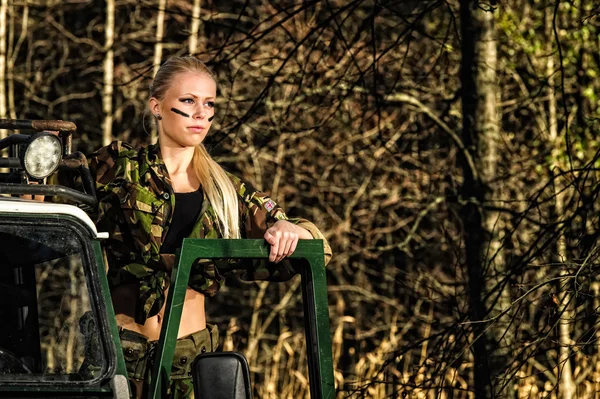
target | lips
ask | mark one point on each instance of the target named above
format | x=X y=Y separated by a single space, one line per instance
x=196 y=128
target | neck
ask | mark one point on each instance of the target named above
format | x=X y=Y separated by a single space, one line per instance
x=177 y=159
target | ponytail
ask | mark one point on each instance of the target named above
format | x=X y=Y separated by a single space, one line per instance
x=219 y=190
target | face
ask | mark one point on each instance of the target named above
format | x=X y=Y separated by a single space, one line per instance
x=186 y=109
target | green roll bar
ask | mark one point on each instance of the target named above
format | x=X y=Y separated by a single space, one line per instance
x=314 y=298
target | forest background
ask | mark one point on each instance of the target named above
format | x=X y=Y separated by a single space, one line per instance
x=447 y=149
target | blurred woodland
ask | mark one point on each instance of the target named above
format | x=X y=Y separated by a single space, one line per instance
x=446 y=148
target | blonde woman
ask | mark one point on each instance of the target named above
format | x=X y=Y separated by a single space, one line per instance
x=151 y=198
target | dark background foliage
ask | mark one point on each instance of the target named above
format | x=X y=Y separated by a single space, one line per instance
x=350 y=113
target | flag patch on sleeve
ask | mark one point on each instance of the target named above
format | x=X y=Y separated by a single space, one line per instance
x=269 y=205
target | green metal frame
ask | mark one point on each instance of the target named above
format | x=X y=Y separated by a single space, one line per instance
x=110 y=311
x=314 y=295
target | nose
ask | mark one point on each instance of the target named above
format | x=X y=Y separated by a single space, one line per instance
x=200 y=112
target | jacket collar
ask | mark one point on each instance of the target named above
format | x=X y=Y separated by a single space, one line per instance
x=153 y=154
x=153 y=167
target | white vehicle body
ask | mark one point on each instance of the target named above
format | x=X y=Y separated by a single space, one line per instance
x=21 y=206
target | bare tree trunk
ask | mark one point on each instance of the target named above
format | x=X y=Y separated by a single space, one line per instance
x=108 y=73
x=3 y=110
x=596 y=293
x=487 y=272
x=502 y=331
x=564 y=371
x=13 y=58
x=473 y=196
x=9 y=56
x=158 y=47
x=195 y=27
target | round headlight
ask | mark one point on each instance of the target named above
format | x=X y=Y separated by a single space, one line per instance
x=42 y=155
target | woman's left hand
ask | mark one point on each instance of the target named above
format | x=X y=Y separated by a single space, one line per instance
x=283 y=237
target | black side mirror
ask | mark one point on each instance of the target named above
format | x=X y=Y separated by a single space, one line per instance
x=221 y=375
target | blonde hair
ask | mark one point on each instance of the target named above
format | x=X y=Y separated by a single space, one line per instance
x=216 y=184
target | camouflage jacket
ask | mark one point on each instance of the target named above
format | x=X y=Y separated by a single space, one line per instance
x=135 y=206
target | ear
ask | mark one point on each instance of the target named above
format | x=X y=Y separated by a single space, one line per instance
x=154 y=106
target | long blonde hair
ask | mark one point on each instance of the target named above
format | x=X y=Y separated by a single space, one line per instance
x=216 y=184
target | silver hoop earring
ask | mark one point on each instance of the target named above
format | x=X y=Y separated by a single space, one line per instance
x=158 y=117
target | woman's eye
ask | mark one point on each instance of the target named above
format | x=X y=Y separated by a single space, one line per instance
x=187 y=100
x=210 y=104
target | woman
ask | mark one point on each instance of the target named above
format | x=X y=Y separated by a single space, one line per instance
x=151 y=198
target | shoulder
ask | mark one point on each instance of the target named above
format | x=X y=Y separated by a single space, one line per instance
x=244 y=189
x=112 y=160
x=113 y=151
x=254 y=199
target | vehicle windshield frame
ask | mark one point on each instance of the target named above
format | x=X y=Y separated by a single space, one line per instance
x=314 y=298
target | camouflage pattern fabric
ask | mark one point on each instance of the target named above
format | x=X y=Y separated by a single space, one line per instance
x=139 y=353
x=136 y=200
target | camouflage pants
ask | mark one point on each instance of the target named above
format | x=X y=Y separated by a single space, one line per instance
x=139 y=355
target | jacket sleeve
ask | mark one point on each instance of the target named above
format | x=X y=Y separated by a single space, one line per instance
x=102 y=165
x=258 y=213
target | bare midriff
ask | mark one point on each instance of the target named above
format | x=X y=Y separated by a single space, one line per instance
x=125 y=297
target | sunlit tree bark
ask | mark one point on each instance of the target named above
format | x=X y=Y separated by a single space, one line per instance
x=9 y=55
x=3 y=110
x=195 y=27
x=564 y=371
x=12 y=61
x=158 y=47
x=501 y=332
x=107 y=96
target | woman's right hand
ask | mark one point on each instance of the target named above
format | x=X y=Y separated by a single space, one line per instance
x=39 y=198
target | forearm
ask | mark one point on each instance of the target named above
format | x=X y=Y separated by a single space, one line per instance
x=304 y=234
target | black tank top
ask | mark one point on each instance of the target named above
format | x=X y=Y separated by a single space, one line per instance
x=185 y=213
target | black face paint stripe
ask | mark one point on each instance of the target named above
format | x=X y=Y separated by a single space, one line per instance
x=211 y=118
x=180 y=112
